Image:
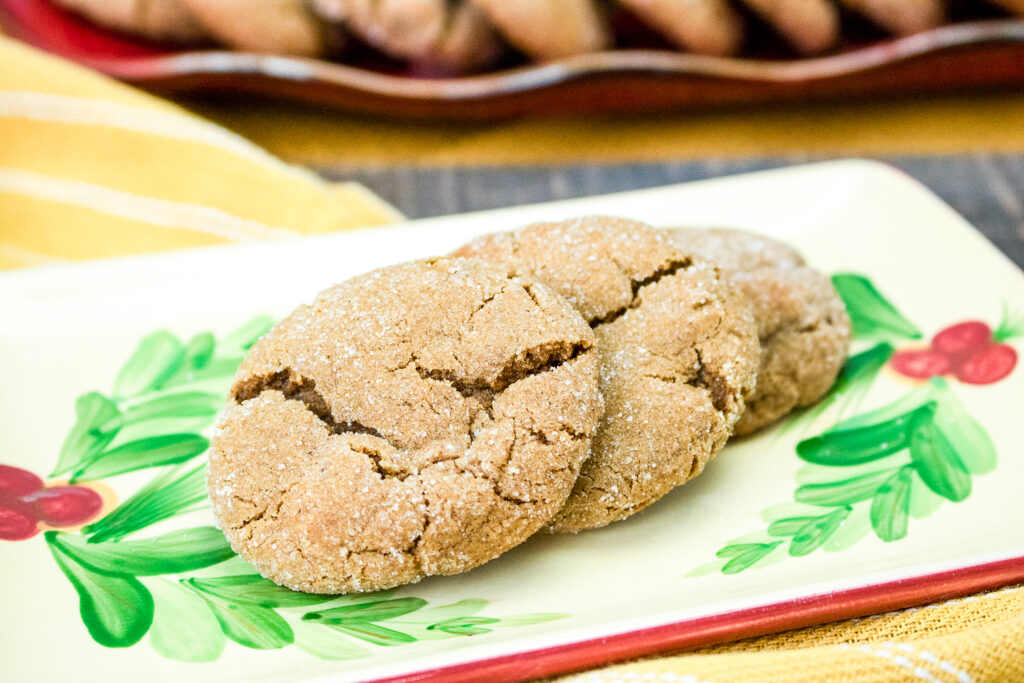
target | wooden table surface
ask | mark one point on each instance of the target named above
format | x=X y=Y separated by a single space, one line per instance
x=960 y=123
x=967 y=147
x=987 y=189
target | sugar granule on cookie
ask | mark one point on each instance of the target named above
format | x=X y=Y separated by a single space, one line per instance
x=678 y=346
x=418 y=420
x=802 y=323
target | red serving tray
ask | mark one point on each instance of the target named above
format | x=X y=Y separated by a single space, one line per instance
x=971 y=54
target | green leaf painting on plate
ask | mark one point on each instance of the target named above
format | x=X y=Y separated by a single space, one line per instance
x=253 y=589
x=157 y=357
x=968 y=438
x=252 y=626
x=168 y=494
x=374 y=634
x=366 y=612
x=938 y=464
x=183 y=404
x=815 y=532
x=199 y=351
x=175 y=552
x=871 y=314
x=863 y=444
x=169 y=449
x=116 y=608
x=844 y=492
x=248 y=334
x=184 y=628
x=745 y=555
x=465 y=626
x=326 y=643
x=890 y=508
x=529 y=619
x=97 y=425
x=875 y=471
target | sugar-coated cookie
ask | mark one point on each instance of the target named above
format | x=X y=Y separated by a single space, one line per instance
x=421 y=419
x=901 y=16
x=162 y=20
x=450 y=35
x=546 y=30
x=810 y=26
x=1016 y=6
x=286 y=27
x=678 y=346
x=709 y=27
x=802 y=323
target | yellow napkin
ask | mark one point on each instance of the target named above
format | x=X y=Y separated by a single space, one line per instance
x=977 y=639
x=90 y=168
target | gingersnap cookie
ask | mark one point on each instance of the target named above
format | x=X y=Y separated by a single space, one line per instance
x=710 y=27
x=801 y=321
x=810 y=26
x=162 y=20
x=284 y=27
x=437 y=32
x=901 y=16
x=418 y=420
x=545 y=30
x=678 y=350
x=1015 y=6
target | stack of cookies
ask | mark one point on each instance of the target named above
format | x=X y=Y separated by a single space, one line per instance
x=467 y=35
x=424 y=418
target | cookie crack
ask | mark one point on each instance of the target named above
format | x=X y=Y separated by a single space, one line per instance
x=609 y=499
x=667 y=379
x=533 y=295
x=266 y=511
x=789 y=327
x=716 y=385
x=295 y=387
x=414 y=549
x=667 y=269
x=527 y=363
x=547 y=440
x=384 y=470
x=303 y=390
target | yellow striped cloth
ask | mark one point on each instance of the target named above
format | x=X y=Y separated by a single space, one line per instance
x=90 y=168
x=977 y=639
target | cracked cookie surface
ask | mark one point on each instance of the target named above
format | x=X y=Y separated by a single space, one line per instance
x=678 y=351
x=418 y=420
x=802 y=323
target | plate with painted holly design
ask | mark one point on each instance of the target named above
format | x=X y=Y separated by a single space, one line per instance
x=900 y=487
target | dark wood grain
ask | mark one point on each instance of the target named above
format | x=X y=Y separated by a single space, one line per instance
x=986 y=189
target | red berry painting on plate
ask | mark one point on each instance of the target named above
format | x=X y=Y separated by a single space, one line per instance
x=970 y=351
x=28 y=505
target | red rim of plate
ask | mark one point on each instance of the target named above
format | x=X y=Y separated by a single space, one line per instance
x=729 y=626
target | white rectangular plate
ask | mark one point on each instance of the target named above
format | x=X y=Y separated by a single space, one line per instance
x=556 y=602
